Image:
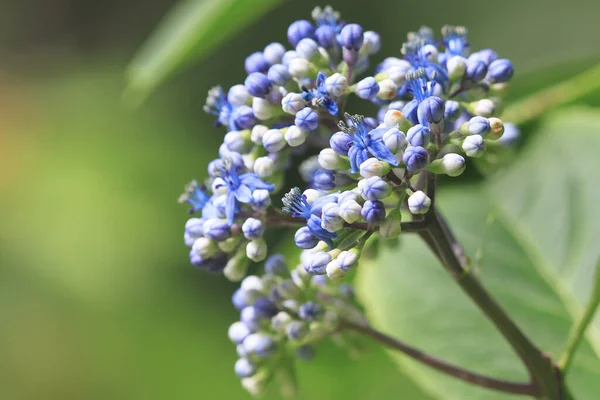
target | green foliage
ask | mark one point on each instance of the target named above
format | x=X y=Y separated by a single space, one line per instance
x=188 y=33
x=540 y=256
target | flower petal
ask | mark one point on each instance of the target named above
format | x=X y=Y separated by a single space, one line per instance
x=379 y=150
x=243 y=194
x=230 y=208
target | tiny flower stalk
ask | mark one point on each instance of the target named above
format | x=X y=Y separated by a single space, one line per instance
x=366 y=177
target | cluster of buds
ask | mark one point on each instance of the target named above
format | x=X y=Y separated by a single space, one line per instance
x=283 y=315
x=438 y=105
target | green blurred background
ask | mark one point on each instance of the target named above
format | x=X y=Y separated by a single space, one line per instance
x=97 y=299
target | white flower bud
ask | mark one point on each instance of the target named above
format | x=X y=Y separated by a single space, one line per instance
x=371 y=43
x=348 y=258
x=350 y=211
x=419 y=203
x=264 y=167
x=256 y=250
x=236 y=267
x=334 y=270
x=307 y=48
x=393 y=118
x=234 y=141
x=312 y=195
x=238 y=95
x=484 y=108
x=262 y=109
x=228 y=245
x=331 y=160
x=205 y=247
x=394 y=140
x=218 y=186
x=300 y=68
x=292 y=103
x=453 y=164
x=295 y=136
x=252 y=282
x=387 y=89
x=373 y=167
x=257 y=134
x=474 y=146
x=496 y=128
x=248 y=160
x=398 y=71
x=336 y=85
x=457 y=66
x=273 y=140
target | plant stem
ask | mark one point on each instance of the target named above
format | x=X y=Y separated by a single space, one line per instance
x=564 y=92
x=579 y=328
x=540 y=367
x=449 y=369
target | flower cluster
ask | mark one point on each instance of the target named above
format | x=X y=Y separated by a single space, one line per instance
x=283 y=315
x=438 y=103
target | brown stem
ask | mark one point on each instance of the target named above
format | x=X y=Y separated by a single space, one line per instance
x=449 y=369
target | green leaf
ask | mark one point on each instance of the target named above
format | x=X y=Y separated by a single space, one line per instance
x=187 y=33
x=540 y=257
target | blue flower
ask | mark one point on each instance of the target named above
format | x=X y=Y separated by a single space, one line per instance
x=234 y=117
x=295 y=203
x=195 y=195
x=365 y=143
x=319 y=97
x=239 y=187
x=421 y=88
x=417 y=53
x=455 y=40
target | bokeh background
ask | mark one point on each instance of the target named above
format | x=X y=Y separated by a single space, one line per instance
x=97 y=300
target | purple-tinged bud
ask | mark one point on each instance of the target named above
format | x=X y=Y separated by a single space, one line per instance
x=340 y=142
x=216 y=229
x=367 y=88
x=258 y=84
x=394 y=140
x=474 y=146
x=307 y=119
x=273 y=140
x=476 y=69
x=193 y=227
x=479 y=126
x=485 y=55
x=431 y=110
x=374 y=188
x=419 y=203
x=452 y=110
x=239 y=299
x=373 y=211
x=315 y=264
x=260 y=344
x=296 y=330
x=310 y=311
x=273 y=53
x=292 y=103
x=418 y=135
x=299 y=30
x=500 y=70
x=288 y=57
x=307 y=48
x=238 y=331
x=265 y=308
x=415 y=158
x=279 y=74
x=250 y=317
x=276 y=265
x=330 y=218
x=253 y=228
x=243 y=117
x=238 y=95
x=336 y=85
x=261 y=199
x=326 y=36
x=256 y=62
x=305 y=239
x=351 y=37
x=244 y=368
